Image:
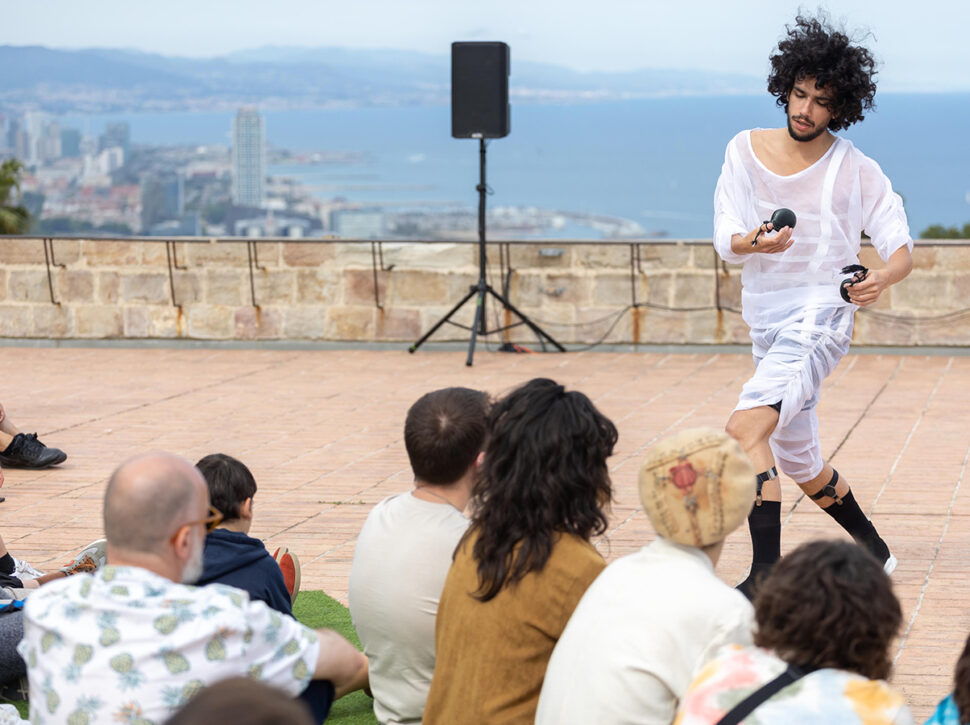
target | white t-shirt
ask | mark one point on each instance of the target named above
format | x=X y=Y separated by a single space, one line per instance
x=402 y=557
x=127 y=645
x=638 y=635
x=835 y=199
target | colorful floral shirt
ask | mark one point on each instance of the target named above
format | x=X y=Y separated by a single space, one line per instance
x=127 y=646
x=946 y=713
x=833 y=697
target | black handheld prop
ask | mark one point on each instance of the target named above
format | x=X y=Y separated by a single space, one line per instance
x=858 y=273
x=780 y=219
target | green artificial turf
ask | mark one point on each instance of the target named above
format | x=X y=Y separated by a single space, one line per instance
x=316 y=610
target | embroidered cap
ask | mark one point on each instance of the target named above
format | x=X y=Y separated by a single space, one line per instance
x=696 y=486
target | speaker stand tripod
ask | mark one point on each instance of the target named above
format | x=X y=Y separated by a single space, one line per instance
x=482 y=289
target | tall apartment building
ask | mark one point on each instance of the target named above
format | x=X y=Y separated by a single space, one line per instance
x=248 y=158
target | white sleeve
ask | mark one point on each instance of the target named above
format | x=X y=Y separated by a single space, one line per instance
x=727 y=207
x=883 y=216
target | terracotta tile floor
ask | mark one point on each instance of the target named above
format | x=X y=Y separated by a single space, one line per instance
x=321 y=431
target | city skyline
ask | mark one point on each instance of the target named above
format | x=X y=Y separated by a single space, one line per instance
x=922 y=50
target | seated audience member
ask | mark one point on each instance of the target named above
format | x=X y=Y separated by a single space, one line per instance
x=18 y=577
x=241 y=701
x=648 y=622
x=231 y=556
x=24 y=450
x=825 y=618
x=954 y=709
x=131 y=643
x=405 y=547
x=526 y=559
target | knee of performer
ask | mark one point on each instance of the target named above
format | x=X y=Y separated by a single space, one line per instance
x=745 y=430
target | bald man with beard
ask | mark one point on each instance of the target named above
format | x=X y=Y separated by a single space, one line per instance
x=134 y=642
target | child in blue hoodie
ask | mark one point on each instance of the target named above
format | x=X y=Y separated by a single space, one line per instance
x=231 y=556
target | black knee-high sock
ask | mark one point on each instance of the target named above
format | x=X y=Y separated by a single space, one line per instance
x=764 y=524
x=851 y=518
x=7 y=564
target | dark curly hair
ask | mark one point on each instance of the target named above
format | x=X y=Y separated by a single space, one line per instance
x=544 y=474
x=961 y=684
x=829 y=604
x=815 y=50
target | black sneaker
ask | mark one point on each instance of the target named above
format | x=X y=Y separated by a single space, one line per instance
x=25 y=451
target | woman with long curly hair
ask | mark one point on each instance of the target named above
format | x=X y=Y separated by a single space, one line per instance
x=527 y=559
x=825 y=619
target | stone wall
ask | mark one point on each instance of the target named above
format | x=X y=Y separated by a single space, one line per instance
x=324 y=290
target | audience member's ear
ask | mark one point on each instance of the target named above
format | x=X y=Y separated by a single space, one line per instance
x=480 y=461
x=182 y=543
x=246 y=509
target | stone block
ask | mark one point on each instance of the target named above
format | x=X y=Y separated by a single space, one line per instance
x=227 y=254
x=555 y=313
x=432 y=313
x=318 y=286
x=111 y=254
x=308 y=254
x=188 y=287
x=663 y=328
x=75 y=285
x=707 y=327
x=960 y=282
x=924 y=257
x=109 y=287
x=146 y=287
x=210 y=322
x=3 y=284
x=166 y=322
x=28 y=285
x=359 y=286
x=542 y=255
x=15 y=320
x=952 y=257
x=923 y=291
x=602 y=256
x=66 y=251
x=137 y=322
x=461 y=282
x=274 y=286
x=703 y=256
x=264 y=323
x=592 y=323
x=399 y=324
x=525 y=289
x=154 y=254
x=359 y=254
x=660 y=288
x=868 y=257
x=305 y=322
x=614 y=288
x=665 y=256
x=693 y=289
x=729 y=287
x=567 y=288
x=226 y=287
x=99 y=321
x=408 y=288
x=53 y=321
x=881 y=331
x=350 y=322
x=21 y=251
x=268 y=254
x=445 y=256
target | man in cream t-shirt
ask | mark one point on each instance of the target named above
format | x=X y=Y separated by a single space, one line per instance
x=405 y=549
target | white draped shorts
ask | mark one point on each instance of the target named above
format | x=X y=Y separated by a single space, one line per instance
x=793 y=357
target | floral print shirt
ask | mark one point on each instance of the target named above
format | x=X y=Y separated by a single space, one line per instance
x=833 y=697
x=125 y=645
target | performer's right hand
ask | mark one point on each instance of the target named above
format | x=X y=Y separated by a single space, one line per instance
x=760 y=240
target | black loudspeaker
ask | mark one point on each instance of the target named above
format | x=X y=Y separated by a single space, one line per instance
x=479 y=90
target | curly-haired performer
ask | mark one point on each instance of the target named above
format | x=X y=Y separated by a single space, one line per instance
x=800 y=324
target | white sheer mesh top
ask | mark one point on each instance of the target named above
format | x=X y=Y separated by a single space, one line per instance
x=835 y=199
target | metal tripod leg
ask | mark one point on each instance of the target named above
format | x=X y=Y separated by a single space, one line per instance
x=443 y=320
x=540 y=333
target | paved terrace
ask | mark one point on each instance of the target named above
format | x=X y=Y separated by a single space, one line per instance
x=322 y=432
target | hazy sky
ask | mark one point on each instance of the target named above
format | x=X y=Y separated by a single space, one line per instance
x=921 y=44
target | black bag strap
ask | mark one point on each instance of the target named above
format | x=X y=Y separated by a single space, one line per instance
x=744 y=708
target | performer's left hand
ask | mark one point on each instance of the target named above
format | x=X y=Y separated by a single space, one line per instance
x=867 y=291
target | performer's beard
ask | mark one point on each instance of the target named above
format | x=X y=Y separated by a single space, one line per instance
x=811 y=135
